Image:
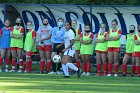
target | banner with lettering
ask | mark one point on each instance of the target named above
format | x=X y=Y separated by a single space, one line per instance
x=94 y=15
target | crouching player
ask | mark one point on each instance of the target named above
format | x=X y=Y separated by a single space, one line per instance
x=29 y=46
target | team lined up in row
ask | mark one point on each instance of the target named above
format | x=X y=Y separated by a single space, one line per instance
x=68 y=41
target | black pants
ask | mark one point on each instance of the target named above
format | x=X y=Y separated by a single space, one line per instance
x=56 y=66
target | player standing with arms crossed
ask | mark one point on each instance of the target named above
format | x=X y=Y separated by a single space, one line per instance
x=129 y=50
x=86 y=50
x=137 y=50
x=17 y=34
x=101 y=50
x=77 y=44
x=114 y=42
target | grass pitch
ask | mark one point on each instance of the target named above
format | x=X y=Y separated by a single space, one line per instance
x=43 y=83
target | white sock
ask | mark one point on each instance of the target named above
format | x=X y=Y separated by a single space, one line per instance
x=20 y=67
x=65 y=69
x=72 y=66
x=13 y=67
x=6 y=66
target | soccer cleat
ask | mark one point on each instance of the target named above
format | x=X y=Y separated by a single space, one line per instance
x=25 y=71
x=12 y=71
x=88 y=74
x=84 y=73
x=98 y=74
x=19 y=71
x=46 y=72
x=29 y=71
x=41 y=72
x=0 y=70
x=66 y=77
x=6 y=70
x=124 y=75
x=115 y=75
x=59 y=72
x=132 y=75
x=78 y=73
x=52 y=73
x=138 y=75
x=108 y=75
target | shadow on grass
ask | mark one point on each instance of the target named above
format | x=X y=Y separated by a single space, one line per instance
x=54 y=83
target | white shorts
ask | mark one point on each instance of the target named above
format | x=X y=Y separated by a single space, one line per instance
x=69 y=52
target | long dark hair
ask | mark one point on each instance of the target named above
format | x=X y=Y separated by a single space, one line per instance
x=60 y=19
x=115 y=20
x=71 y=27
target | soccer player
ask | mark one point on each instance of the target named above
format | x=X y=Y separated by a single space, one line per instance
x=137 y=51
x=5 y=44
x=45 y=46
x=17 y=34
x=29 y=46
x=101 y=50
x=114 y=42
x=129 y=50
x=86 y=50
x=76 y=42
x=58 y=34
x=69 y=51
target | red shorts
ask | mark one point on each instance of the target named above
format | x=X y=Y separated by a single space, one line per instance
x=113 y=49
x=45 y=48
x=129 y=54
x=136 y=54
x=102 y=52
x=29 y=53
x=15 y=48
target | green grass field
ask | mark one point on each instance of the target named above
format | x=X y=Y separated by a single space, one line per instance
x=43 y=83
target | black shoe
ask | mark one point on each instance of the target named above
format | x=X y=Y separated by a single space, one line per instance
x=41 y=72
x=78 y=73
x=47 y=72
x=124 y=75
x=132 y=75
x=66 y=76
x=73 y=72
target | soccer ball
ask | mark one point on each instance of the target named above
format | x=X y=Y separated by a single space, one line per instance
x=56 y=59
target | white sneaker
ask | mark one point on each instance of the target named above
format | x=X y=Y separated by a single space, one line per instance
x=25 y=71
x=6 y=70
x=59 y=72
x=115 y=75
x=19 y=71
x=88 y=74
x=12 y=71
x=84 y=73
x=108 y=75
x=0 y=70
x=52 y=73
